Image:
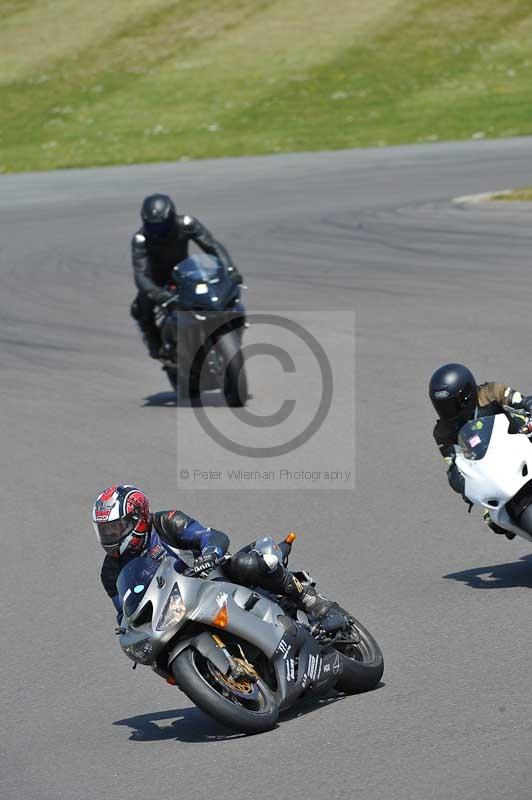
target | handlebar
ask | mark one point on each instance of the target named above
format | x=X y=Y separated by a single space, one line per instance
x=285 y=546
x=522 y=417
x=170 y=301
x=218 y=561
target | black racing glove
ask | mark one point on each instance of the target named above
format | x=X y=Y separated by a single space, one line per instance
x=165 y=297
x=204 y=563
x=527 y=404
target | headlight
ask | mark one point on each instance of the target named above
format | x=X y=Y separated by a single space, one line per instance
x=202 y=288
x=173 y=612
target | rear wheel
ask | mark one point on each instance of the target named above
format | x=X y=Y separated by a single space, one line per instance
x=243 y=704
x=362 y=661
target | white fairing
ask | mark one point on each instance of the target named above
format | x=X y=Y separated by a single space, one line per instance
x=497 y=477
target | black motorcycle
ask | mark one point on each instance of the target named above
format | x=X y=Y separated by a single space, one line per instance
x=201 y=331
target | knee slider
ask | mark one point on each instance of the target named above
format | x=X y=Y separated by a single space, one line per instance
x=271 y=561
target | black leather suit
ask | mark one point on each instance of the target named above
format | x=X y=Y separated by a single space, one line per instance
x=154 y=258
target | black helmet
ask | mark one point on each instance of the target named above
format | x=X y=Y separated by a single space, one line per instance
x=453 y=392
x=158 y=215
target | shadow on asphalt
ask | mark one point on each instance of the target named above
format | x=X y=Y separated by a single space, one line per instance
x=497 y=576
x=315 y=703
x=187 y=725
x=171 y=400
x=192 y=725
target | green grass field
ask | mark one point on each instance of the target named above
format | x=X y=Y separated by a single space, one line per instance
x=518 y=195
x=147 y=80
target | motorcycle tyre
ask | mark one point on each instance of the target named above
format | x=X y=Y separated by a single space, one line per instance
x=191 y=681
x=361 y=676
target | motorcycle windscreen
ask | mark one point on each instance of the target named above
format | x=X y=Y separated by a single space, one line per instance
x=133 y=581
x=202 y=280
x=474 y=438
x=199 y=268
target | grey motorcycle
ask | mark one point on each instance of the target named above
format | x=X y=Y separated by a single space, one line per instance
x=236 y=652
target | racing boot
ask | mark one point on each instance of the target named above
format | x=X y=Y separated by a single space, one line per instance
x=305 y=597
x=315 y=604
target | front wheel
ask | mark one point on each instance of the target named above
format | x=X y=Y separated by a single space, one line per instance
x=172 y=377
x=188 y=390
x=235 y=386
x=242 y=704
x=362 y=661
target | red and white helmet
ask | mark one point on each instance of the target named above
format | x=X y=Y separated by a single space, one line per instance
x=121 y=519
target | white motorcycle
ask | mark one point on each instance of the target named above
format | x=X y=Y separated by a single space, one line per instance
x=494 y=454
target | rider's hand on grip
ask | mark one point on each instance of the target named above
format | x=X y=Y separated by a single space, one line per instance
x=172 y=301
x=203 y=564
x=166 y=299
x=526 y=403
x=165 y=302
x=163 y=297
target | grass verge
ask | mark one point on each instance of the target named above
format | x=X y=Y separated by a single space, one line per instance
x=517 y=195
x=129 y=81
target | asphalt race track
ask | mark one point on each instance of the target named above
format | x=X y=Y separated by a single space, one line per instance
x=83 y=407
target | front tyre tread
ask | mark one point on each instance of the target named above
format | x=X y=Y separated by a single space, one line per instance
x=190 y=681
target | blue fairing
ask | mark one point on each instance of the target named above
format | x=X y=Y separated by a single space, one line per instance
x=195 y=537
x=204 y=284
x=154 y=551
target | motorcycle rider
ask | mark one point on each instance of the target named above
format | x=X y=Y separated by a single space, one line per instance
x=457 y=398
x=158 y=245
x=126 y=529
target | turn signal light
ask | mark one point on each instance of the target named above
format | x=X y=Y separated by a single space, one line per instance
x=291 y=537
x=171 y=680
x=221 y=620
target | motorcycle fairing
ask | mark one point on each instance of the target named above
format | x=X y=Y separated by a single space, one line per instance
x=500 y=474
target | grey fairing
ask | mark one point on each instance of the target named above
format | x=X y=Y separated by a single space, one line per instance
x=295 y=655
x=301 y=668
x=204 y=644
x=158 y=594
x=203 y=600
x=258 y=626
